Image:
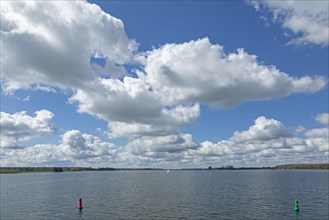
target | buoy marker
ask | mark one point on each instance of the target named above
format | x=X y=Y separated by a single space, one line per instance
x=296 y=208
x=80 y=204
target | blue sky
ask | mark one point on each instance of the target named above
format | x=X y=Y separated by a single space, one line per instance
x=164 y=84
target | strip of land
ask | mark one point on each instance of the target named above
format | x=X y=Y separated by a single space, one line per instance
x=323 y=166
x=4 y=170
x=7 y=170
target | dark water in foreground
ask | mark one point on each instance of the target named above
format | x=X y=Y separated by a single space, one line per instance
x=200 y=194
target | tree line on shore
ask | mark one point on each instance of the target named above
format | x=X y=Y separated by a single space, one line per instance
x=62 y=169
x=40 y=169
x=322 y=166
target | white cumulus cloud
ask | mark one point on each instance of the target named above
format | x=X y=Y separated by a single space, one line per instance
x=264 y=129
x=132 y=109
x=20 y=127
x=52 y=42
x=198 y=71
x=267 y=141
x=41 y=154
x=84 y=146
x=170 y=144
x=307 y=20
x=323 y=118
x=75 y=149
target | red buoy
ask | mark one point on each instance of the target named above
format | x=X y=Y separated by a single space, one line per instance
x=80 y=204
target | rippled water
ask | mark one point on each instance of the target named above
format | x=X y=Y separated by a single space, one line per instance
x=195 y=194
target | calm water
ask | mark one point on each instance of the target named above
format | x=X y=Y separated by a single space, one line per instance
x=158 y=195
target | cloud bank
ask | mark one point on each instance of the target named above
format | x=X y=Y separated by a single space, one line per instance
x=265 y=143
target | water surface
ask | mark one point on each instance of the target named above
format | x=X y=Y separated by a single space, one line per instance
x=197 y=194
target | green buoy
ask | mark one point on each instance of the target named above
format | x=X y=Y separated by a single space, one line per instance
x=296 y=208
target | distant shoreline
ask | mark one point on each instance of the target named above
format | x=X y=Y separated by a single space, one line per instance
x=13 y=170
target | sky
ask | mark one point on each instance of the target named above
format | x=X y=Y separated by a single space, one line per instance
x=170 y=84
